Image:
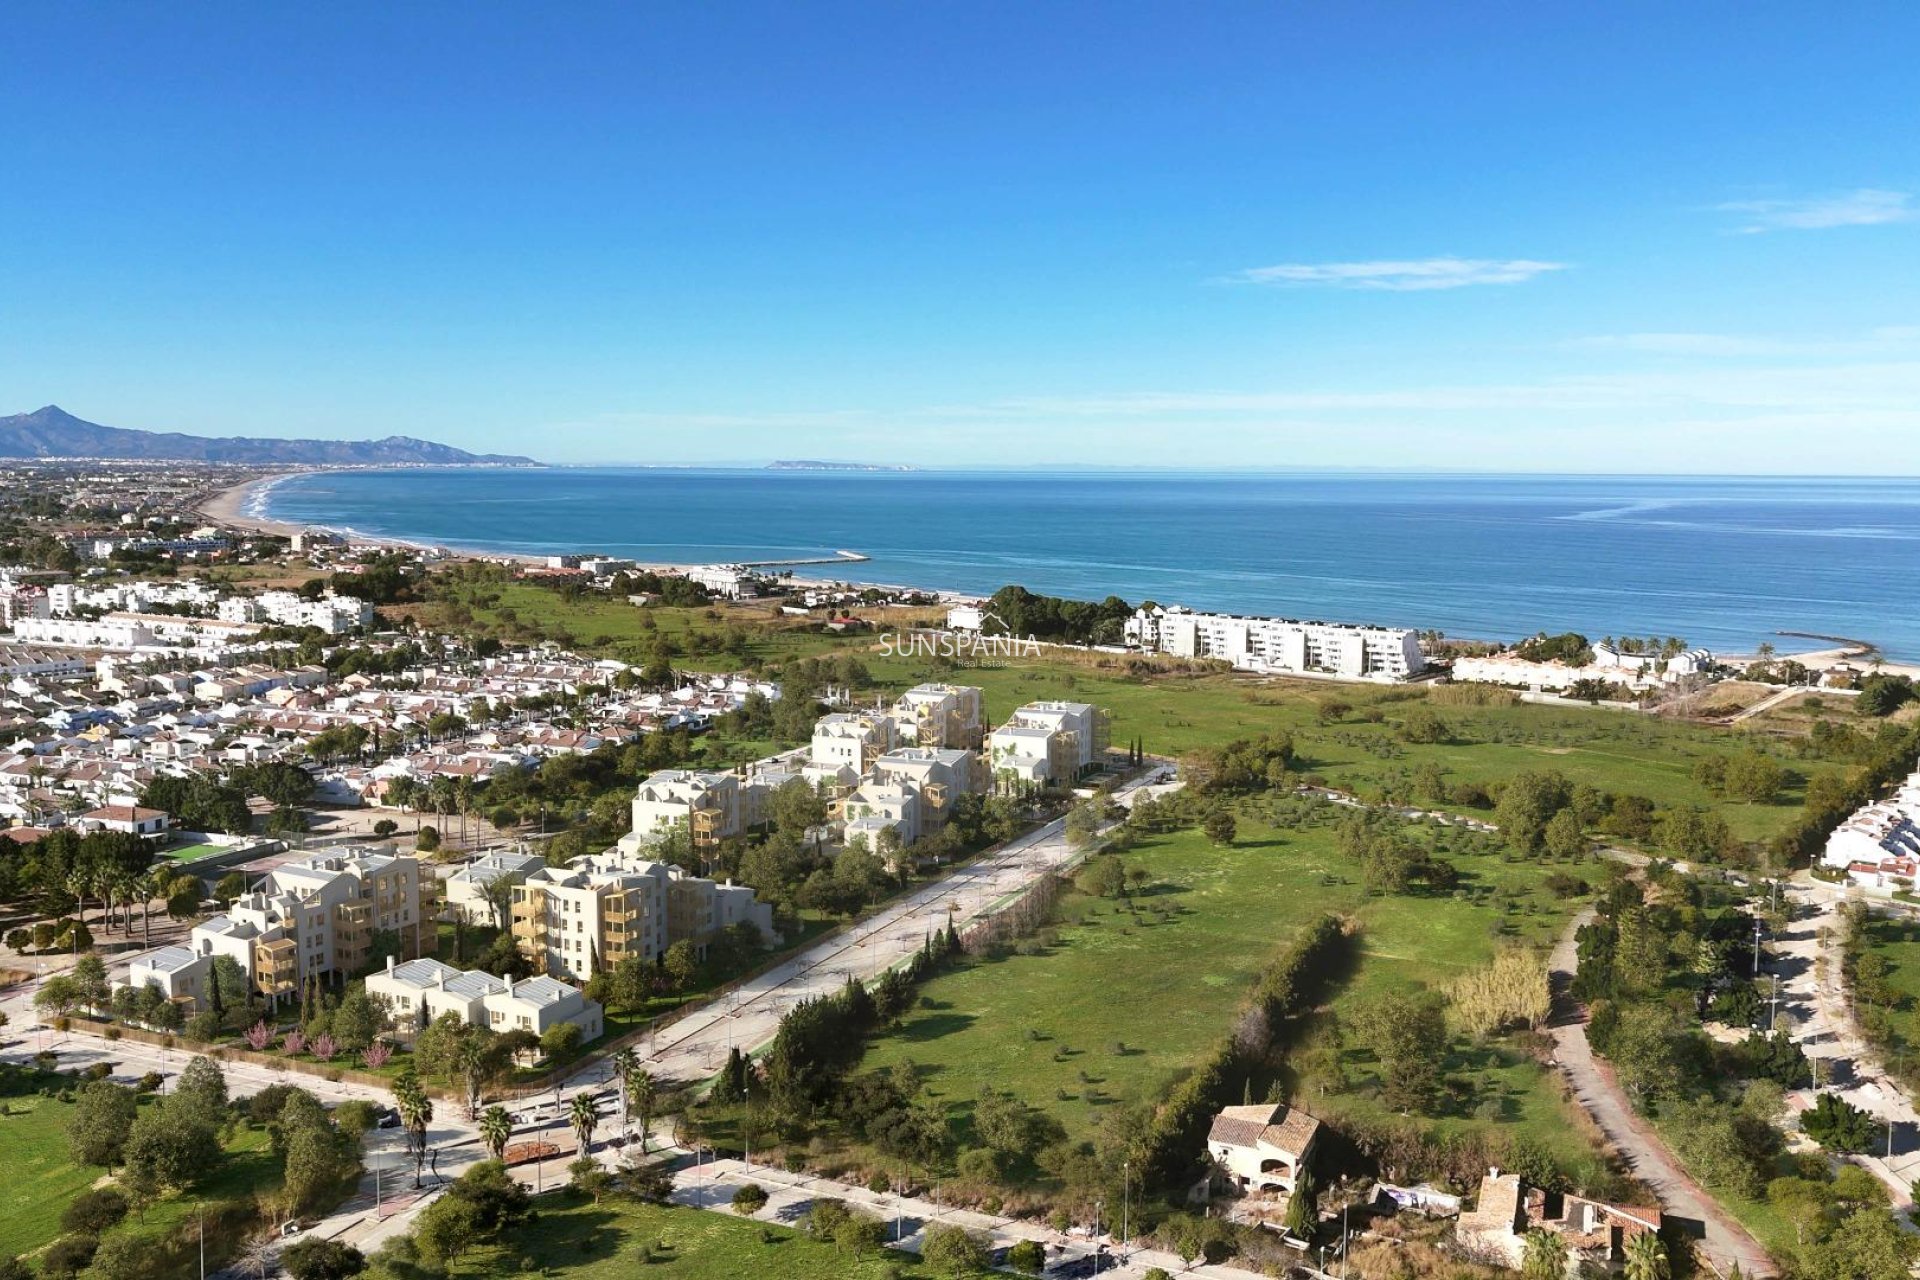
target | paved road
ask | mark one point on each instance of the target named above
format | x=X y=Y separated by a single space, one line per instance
x=710 y=1185
x=1646 y=1156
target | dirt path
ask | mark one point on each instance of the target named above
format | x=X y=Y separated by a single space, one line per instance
x=1724 y=1241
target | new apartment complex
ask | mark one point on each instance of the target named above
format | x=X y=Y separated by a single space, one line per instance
x=317 y=917
x=1278 y=645
x=577 y=920
x=1047 y=744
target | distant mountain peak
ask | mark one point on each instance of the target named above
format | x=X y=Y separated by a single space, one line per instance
x=52 y=432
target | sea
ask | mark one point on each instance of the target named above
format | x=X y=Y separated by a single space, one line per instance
x=1728 y=563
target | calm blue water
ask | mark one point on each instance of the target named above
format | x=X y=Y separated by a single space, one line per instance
x=1720 y=562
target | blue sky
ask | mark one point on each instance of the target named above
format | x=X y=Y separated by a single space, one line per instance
x=1635 y=237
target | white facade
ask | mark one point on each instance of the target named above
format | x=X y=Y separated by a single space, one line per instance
x=577 y=920
x=941 y=715
x=1278 y=645
x=331 y=613
x=851 y=740
x=708 y=803
x=181 y=973
x=419 y=992
x=1047 y=743
x=466 y=889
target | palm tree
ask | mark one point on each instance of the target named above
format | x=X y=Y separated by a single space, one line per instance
x=625 y=1063
x=496 y=1128
x=416 y=1113
x=584 y=1116
x=1647 y=1258
x=1544 y=1256
x=645 y=1092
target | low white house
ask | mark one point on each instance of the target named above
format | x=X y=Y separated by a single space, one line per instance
x=181 y=973
x=420 y=991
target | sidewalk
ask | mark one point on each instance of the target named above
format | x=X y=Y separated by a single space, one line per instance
x=710 y=1185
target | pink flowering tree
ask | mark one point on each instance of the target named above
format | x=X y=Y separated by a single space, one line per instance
x=295 y=1042
x=259 y=1036
x=324 y=1048
x=377 y=1055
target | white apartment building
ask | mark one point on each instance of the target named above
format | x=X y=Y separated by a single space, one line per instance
x=1278 y=645
x=317 y=916
x=133 y=631
x=1887 y=830
x=941 y=716
x=576 y=920
x=851 y=740
x=333 y=614
x=708 y=803
x=419 y=992
x=1047 y=744
x=466 y=889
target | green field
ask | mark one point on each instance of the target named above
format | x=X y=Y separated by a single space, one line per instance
x=1167 y=986
x=1897 y=941
x=575 y=1239
x=603 y=624
x=44 y=1179
x=1616 y=751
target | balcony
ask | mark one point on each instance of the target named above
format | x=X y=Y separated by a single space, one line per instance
x=529 y=929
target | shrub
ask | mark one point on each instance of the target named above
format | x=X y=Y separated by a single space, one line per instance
x=94 y=1211
x=1027 y=1256
x=68 y=1256
x=749 y=1199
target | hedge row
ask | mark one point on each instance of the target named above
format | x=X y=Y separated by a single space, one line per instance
x=1284 y=988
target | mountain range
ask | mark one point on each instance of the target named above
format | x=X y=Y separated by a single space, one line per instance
x=52 y=432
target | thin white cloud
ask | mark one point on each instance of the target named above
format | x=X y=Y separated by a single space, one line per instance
x=1891 y=339
x=1865 y=207
x=1408 y=276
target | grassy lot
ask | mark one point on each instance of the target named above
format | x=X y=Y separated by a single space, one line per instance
x=603 y=624
x=1166 y=985
x=1617 y=751
x=41 y=1177
x=575 y=1239
x=1897 y=941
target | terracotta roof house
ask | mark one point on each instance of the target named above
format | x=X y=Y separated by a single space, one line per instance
x=1262 y=1148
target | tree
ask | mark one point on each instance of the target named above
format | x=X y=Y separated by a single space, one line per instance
x=416 y=1113
x=318 y=1258
x=203 y=1081
x=560 y=1041
x=1408 y=1034
x=624 y=1063
x=356 y=1021
x=1838 y=1125
x=1301 y=1214
x=496 y=1130
x=93 y=1211
x=98 y=1129
x=586 y=1176
x=644 y=1093
x=1564 y=837
x=90 y=981
x=446 y=1229
x=749 y=1199
x=955 y=1250
x=1543 y=1255
x=1647 y=1258
x=1219 y=827
x=319 y=1155
x=584 y=1117
x=1028 y=1257
x=1527 y=803
x=681 y=964
x=174 y=1142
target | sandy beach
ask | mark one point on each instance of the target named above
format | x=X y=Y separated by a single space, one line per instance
x=229 y=507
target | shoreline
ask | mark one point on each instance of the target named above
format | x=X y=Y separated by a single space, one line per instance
x=243 y=505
